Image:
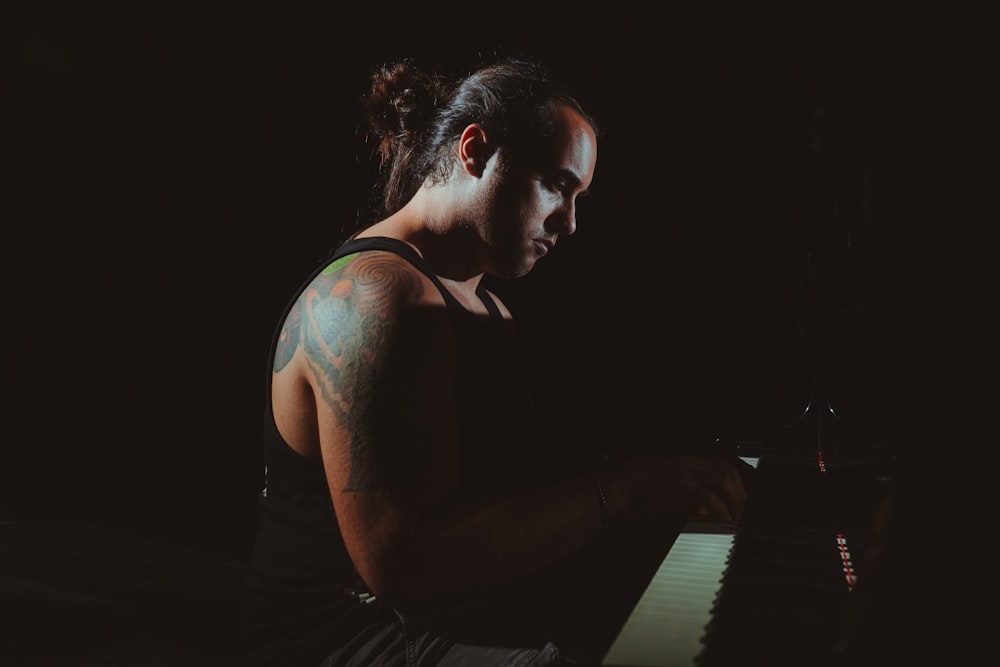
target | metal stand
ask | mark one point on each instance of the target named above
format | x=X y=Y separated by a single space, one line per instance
x=832 y=284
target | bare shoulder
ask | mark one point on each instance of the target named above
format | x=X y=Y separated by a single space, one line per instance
x=372 y=339
x=358 y=290
x=372 y=279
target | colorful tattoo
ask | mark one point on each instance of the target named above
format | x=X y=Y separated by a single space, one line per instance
x=348 y=316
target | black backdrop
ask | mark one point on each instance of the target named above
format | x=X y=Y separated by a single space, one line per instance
x=177 y=168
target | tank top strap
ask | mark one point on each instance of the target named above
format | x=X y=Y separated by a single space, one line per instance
x=406 y=251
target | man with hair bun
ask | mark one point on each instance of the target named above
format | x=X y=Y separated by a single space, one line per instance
x=408 y=516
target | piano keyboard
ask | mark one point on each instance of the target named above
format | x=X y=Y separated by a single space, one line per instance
x=666 y=626
x=767 y=591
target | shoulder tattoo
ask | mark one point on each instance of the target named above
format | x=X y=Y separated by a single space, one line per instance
x=342 y=321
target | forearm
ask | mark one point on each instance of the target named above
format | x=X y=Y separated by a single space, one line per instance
x=496 y=542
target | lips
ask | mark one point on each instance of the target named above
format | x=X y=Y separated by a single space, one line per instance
x=543 y=246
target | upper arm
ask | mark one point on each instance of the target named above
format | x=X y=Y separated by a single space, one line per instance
x=379 y=351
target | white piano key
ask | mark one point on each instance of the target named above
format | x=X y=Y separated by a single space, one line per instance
x=666 y=625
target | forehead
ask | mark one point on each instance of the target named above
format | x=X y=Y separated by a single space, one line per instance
x=580 y=146
x=573 y=148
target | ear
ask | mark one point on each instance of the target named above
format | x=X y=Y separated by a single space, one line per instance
x=474 y=150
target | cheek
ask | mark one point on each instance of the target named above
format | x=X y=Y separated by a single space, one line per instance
x=536 y=205
x=522 y=206
x=517 y=208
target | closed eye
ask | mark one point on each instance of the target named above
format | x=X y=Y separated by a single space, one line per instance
x=558 y=185
x=563 y=181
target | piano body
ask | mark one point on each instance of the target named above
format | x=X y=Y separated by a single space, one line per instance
x=776 y=587
x=795 y=582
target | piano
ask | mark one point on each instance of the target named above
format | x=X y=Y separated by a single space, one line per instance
x=774 y=588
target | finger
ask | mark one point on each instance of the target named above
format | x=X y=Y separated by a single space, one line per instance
x=727 y=482
x=717 y=488
x=709 y=505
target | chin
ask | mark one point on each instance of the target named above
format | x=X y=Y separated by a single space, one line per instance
x=516 y=268
x=522 y=270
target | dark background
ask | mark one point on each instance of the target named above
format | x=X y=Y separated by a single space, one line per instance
x=177 y=168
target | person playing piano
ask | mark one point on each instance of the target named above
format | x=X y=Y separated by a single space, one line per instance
x=407 y=516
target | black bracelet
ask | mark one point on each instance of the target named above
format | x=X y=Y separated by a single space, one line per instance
x=605 y=519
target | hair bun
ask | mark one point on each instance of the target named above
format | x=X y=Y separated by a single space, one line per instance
x=401 y=102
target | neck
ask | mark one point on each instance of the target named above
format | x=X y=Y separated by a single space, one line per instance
x=450 y=249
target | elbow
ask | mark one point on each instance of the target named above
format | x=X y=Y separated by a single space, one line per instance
x=379 y=565
x=398 y=581
x=387 y=579
x=381 y=582
x=406 y=570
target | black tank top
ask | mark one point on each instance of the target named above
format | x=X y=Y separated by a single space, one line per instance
x=296 y=608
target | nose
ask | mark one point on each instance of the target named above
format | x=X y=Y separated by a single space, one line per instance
x=563 y=220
